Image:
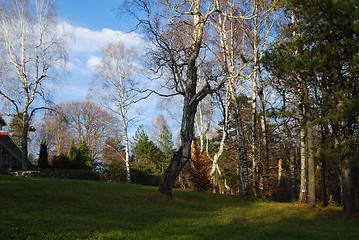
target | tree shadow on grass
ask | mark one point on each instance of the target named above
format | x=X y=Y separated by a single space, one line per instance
x=67 y=209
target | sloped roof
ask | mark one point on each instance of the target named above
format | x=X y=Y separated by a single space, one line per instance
x=2 y=121
x=10 y=145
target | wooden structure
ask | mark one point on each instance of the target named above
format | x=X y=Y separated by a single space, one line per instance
x=10 y=152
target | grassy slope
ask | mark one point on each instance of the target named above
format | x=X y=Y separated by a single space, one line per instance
x=68 y=209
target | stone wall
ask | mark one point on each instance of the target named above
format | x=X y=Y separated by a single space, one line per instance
x=58 y=173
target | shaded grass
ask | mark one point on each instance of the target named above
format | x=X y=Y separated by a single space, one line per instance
x=35 y=208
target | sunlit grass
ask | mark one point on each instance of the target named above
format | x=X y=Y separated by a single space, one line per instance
x=69 y=209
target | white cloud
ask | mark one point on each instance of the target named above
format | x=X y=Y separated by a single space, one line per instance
x=88 y=41
x=85 y=53
x=92 y=62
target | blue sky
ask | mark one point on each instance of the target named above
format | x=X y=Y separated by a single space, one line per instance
x=92 y=24
x=92 y=14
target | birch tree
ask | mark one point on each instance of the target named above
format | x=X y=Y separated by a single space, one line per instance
x=33 y=49
x=115 y=85
x=177 y=29
x=261 y=22
x=231 y=44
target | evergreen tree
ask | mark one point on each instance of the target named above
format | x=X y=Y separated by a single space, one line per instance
x=16 y=128
x=321 y=49
x=73 y=152
x=147 y=154
x=84 y=154
x=43 y=155
x=166 y=146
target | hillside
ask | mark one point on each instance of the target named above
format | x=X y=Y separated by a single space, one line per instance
x=46 y=208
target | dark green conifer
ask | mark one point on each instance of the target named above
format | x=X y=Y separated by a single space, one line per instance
x=43 y=155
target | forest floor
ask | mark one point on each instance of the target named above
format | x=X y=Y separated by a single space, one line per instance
x=49 y=208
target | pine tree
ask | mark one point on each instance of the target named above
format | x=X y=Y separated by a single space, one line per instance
x=84 y=154
x=166 y=146
x=146 y=152
x=16 y=128
x=43 y=155
x=319 y=57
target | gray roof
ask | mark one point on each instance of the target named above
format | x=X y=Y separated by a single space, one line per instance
x=10 y=145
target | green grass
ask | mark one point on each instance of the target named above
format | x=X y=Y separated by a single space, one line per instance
x=43 y=208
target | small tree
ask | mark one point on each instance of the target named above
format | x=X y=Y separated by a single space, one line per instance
x=73 y=152
x=146 y=152
x=166 y=146
x=43 y=161
x=200 y=169
x=84 y=154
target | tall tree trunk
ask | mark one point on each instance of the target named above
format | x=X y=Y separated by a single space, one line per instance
x=254 y=98
x=323 y=131
x=303 y=158
x=127 y=157
x=215 y=165
x=324 y=185
x=311 y=167
x=293 y=188
x=183 y=154
x=264 y=136
x=191 y=100
x=290 y=150
x=24 y=139
x=243 y=166
x=280 y=170
x=227 y=49
x=191 y=97
x=310 y=150
x=348 y=192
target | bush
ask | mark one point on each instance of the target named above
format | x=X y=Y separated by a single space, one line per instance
x=61 y=161
x=78 y=164
x=140 y=177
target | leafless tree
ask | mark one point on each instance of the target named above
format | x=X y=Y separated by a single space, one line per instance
x=56 y=127
x=90 y=122
x=115 y=85
x=33 y=50
x=177 y=28
x=231 y=44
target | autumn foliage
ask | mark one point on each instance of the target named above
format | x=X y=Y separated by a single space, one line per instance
x=200 y=168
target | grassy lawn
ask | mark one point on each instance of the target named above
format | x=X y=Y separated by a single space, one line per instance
x=45 y=208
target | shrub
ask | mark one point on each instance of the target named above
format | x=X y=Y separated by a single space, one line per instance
x=140 y=177
x=78 y=164
x=61 y=161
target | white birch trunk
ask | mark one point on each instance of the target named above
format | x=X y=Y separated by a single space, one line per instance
x=127 y=151
x=303 y=158
x=228 y=66
x=280 y=169
x=254 y=98
x=264 y=137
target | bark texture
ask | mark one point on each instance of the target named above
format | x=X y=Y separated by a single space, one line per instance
x=191 y=99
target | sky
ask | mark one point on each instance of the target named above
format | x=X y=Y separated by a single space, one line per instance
x=92 y=24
